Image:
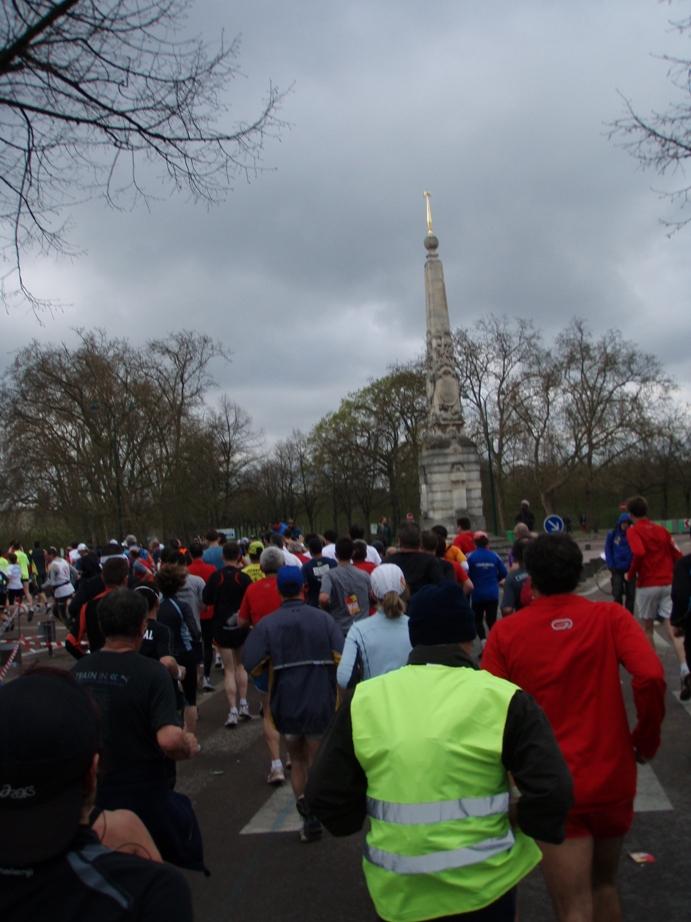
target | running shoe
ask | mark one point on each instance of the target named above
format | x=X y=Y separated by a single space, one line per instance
x=311 y=829
x=685 y=694
x=219 y=662
x=244 y=711
x=30 y=613
x=207 y=685
x=276 y=776
x=232 y=719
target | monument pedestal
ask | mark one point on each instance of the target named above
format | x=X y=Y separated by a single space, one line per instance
x=450 y=484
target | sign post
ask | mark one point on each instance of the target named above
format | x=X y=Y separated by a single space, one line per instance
x=553 y=523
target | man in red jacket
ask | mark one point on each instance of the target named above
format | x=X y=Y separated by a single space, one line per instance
x=566 y=651
x=654 y=555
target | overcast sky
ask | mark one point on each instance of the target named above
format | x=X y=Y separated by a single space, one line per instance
x=313 y=273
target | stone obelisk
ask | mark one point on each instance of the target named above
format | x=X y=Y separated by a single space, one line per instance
x=450 y=483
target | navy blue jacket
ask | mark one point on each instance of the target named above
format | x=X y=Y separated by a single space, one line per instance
x=301 y=646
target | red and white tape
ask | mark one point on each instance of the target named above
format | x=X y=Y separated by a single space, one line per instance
x=10 y=660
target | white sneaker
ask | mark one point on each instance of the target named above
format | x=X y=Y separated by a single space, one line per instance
x=244 y=712
x=232 y=719
x=276 y=775
x=219 y=662
x=207 y=685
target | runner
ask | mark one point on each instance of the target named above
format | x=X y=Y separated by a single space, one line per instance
x=376 y=645
x=313 y=571
x=52 y=864
x=59 y=580
x=177 y=615
x=425 y=752
x=301 y=647
x=486 y=570
x=197 y=567
x=654 y=555
x=542 y=649
x=345 y=589
x=225 y=591
x=261 y=599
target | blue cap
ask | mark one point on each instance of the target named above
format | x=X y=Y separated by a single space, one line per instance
x=289 y=580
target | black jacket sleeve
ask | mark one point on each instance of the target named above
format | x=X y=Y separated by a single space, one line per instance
x=532 y=755
x=681 y=591
x=336 y=790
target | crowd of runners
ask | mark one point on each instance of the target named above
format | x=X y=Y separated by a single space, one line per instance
x=470 y=773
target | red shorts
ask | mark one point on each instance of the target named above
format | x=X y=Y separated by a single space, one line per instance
x=603 y=823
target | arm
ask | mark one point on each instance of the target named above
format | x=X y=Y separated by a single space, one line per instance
x=609 y=559
x=637 y=549
x=642 y=663
x=348 y=672
x=336 y=788
x=532 y=755
x=171 y=665
x=177 y=744
x=255 y=652
x=123 y=831
x=244 y=618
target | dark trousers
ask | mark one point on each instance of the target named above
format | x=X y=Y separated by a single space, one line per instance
x=485 y=611
x=208 y=641
x=621 y=589
x=501 y=910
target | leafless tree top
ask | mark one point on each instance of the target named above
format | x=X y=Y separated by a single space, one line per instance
x=90 y=87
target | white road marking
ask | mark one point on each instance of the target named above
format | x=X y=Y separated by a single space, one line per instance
x=277 y=815
x=650 y=795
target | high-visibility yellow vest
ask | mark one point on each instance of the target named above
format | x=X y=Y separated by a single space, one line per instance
x=429 y=739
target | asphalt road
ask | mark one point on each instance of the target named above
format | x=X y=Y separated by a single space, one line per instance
x=261 y=870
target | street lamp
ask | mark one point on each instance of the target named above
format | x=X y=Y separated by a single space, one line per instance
x=116 y=460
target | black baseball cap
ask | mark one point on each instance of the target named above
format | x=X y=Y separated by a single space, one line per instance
x=49 y=733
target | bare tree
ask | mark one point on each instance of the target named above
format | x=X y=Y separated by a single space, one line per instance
x=89 y=89
x=610 y=392
x=662 y=140
x=493 y=362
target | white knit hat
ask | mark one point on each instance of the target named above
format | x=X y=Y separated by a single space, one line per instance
x=387 y=577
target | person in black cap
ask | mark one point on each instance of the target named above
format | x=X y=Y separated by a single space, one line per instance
x=52 y=864
x=301 y=646
x=426 y=755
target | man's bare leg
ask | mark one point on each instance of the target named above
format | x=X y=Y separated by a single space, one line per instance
x=271 y=734
x=241 y=680
x=568 y=873
x=229 y=677
x=606 y=904
x=648 y=625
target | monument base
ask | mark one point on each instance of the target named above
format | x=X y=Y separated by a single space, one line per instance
x=450 y=484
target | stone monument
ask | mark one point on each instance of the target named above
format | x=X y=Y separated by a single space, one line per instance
x=450 y=483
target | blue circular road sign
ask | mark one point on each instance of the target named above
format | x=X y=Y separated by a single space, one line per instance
x=553 y=523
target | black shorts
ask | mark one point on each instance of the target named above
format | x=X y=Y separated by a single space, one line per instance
x=15 y=595
x=229 y=638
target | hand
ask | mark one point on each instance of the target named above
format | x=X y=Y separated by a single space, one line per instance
x=194 y=744
x=183 y=673
x=640 y=758
x=677 y=630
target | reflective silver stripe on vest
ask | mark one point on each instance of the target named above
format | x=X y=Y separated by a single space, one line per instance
x=436 y=811
x=306 y=662
x=436 y=862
